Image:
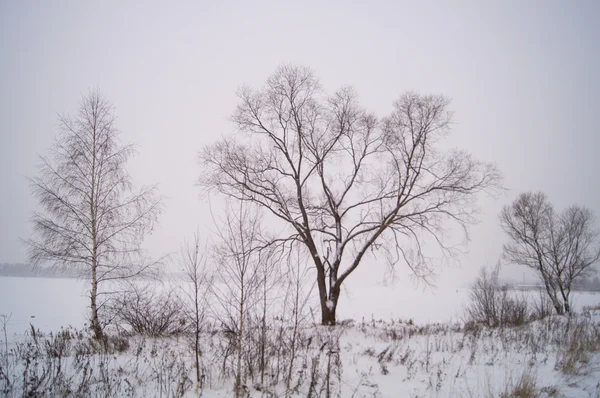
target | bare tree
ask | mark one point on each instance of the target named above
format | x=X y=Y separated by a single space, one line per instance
x=194 y=266
x=561 y=248
x=269 y=277
x=298 y=292
x=238 y=276
x=343 y=180
x=91 y=219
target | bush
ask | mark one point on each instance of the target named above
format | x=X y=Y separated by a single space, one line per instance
x=514 y=311
x=543 y=307
x=491 y=304
x=144 y=311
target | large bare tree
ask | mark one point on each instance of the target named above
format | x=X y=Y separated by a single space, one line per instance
x=344 y=181
x=90 y=218
x=561 y=248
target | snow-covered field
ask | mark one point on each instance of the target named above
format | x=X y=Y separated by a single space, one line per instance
x=46 y=303
x=381 y=353
x=49 y=303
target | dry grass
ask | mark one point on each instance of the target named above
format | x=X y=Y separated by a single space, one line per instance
x=525 y=387
x=582 y=339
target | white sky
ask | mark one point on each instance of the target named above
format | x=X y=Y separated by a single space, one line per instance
x=523 y=77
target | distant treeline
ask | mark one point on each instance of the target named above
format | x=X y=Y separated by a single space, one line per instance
x=583 y=285
x=26 y=270
x=587 y=284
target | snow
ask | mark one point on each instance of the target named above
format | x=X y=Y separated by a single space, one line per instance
x=329 y=305
x=45 y=303
x=401 y=342
x=49 y=303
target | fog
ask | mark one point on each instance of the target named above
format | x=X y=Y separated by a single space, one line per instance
x=522 y=78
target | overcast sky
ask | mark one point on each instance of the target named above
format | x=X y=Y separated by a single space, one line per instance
x=522 y=76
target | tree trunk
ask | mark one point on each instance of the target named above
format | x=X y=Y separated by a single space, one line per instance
x=328 y=301
x=329 y=308
x=238 y=376
x=327 y=316
x=288 y=379
x=96 y=328
x=565 y=298
x=197 y=340
x=95 y=322
x=197 y=356
x=560 y=310
x=551 y=290
x=263 y=336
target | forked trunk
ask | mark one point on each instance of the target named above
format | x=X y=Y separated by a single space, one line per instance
x=559 y=309
x=328 y=300
x=329 y=307
x=551 y=290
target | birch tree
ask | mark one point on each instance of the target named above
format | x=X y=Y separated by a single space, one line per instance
x=238 y=278
x=194 y=266
x=90 y=218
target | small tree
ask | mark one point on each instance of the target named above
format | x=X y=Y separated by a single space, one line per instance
x=343 y=181
x=238 y=276
x=91 y=219
x=193 y=264
x=561 y=248
x=269 y=277
x=297 y=299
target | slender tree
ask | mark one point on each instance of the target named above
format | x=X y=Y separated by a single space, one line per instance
x=238 y=276
x=198 y=280
x=561 y=248
x=344 y=181
x=297 y=299
x=90 y=217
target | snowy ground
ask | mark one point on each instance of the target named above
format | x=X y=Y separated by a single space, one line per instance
x=381 y=353
x=49 y=303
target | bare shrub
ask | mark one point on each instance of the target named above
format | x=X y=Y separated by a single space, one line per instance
x=492 y=305
x=483 y=299
x=514 y=310
x=543 y=307
x=144 y=310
